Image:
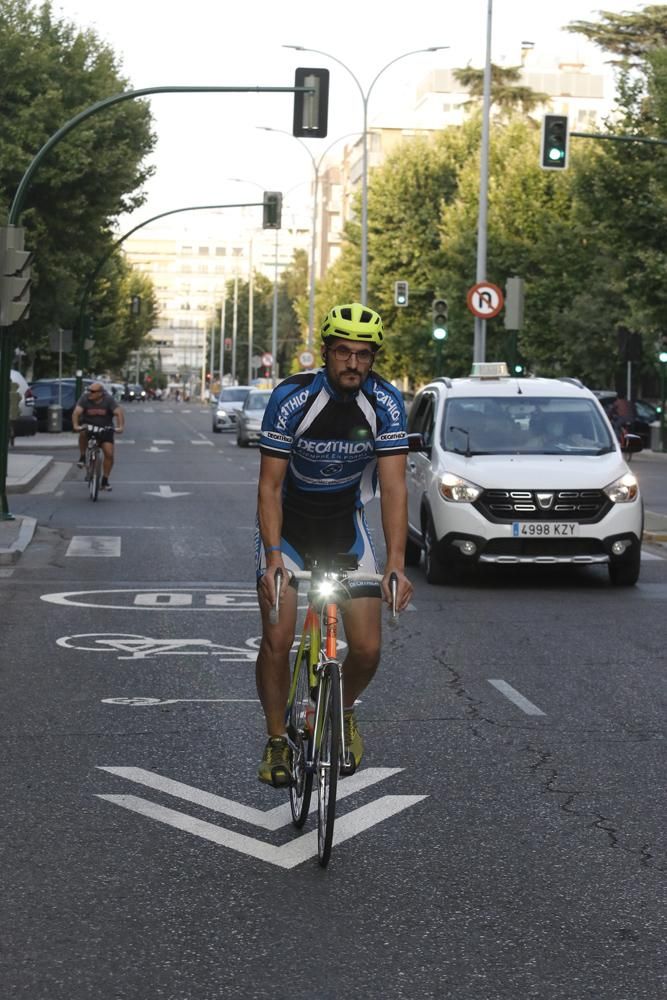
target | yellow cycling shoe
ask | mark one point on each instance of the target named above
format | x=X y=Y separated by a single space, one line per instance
x=276 y=766
x=354 y=744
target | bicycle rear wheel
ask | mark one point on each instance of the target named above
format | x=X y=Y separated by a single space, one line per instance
x=300 y=732
x=328 y=760
x=95 y=473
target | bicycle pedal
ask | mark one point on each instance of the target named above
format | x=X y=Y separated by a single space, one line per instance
x=348 y=767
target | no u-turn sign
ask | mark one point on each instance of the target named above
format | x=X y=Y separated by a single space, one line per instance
x=485 y=300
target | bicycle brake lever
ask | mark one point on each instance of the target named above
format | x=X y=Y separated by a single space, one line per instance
x=393 y=587
x=275 y=610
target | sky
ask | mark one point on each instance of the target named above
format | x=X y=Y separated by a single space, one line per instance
x=206 y=139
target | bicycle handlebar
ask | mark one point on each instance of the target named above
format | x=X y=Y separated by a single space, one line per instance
x=306 y=576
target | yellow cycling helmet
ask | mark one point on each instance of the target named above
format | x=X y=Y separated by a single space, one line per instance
x=353 y=322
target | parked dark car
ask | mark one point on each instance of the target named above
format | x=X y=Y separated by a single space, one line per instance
x=45 y=393
x=636 y=416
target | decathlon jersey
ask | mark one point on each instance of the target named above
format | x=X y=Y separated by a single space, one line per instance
x=332 y=443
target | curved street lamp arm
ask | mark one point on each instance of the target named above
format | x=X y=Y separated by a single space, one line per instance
x=107 y=102
x=414 y=52
x=320 y=52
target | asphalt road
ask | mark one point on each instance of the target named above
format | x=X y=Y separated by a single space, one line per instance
x=504 y=840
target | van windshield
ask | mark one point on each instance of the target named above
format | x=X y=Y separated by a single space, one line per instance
x=524 y=425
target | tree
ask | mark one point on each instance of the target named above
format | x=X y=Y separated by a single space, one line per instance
x=507 y=94
x=631 y=35
x=51 y=71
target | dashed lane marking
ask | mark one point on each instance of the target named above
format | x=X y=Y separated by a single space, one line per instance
x=516 y=697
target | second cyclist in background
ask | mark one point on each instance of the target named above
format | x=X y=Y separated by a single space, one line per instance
x=98 y=408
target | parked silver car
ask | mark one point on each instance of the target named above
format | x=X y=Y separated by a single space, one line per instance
x=226 y=407
x=249 y=425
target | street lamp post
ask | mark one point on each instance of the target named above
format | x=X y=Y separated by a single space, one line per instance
x=313 y=243
x=365 y=95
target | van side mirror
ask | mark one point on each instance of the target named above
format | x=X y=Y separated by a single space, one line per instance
x=631 y=443
x=416 y=443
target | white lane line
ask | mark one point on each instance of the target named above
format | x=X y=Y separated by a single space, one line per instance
x=272 y=819
x=289 y=855
x=124 y=440
x=517 y=698
x=203 y=442
x=166 y=441
x=94 y=545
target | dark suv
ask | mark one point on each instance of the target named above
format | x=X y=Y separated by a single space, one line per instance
x=45 y=393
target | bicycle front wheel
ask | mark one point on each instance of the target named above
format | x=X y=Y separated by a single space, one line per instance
x=328 y=760
x=95 y=475
x=300 y=731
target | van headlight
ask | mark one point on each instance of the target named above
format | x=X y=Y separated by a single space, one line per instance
x=624 y=490
x=458 y=490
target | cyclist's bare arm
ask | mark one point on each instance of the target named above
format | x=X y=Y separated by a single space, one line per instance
x=76 y=426
x=394 y=506
x=119 y=417
x=272 y=473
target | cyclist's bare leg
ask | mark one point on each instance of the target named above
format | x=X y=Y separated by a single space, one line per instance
x=272 y=671
x=107 y=464
x=362 y=620
x=83 y=442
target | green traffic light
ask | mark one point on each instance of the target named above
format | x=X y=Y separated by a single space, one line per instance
x=439 y=333
x=662 y=357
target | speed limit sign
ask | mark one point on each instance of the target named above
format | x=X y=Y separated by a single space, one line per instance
x=306 y=359
x=267 y=359
x=485 y=300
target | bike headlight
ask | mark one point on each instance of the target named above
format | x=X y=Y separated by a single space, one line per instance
x=326 y=588
x=458 y=490
x=624 y=490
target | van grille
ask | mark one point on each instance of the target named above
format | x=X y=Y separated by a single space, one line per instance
x=582 y=506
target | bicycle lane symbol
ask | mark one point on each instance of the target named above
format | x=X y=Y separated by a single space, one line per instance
x=140 y=647
x=129 y=646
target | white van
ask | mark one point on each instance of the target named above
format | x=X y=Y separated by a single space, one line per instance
x=27 y=423
x=518 y=471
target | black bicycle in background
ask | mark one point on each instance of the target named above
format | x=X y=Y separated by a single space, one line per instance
x=93 y=461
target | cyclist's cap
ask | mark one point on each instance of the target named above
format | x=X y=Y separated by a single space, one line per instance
x=354 y=322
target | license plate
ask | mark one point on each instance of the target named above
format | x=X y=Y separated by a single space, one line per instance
x=544 y=529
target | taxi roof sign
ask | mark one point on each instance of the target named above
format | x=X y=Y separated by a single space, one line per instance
x=489 y=369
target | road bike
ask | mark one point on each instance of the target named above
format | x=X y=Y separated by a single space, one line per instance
x=314 y=712
x=93 y=460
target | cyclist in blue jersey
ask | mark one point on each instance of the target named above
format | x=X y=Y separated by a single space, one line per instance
x=329 y=437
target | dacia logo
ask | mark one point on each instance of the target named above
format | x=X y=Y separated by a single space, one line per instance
x=545 y=500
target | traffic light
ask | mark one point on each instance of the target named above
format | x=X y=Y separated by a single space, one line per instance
x=440 y=314
x=273 y=209
x=311 y=110
x=553 y=151
x=15 y=267
x=400 y=293
x=135 y=307
x=662 y=350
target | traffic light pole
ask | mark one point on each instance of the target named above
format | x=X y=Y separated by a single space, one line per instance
x=15 y=214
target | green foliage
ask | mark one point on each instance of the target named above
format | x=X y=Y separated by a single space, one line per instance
x=507 y=94
x=631 y=35
x=589 y=241
x=51 y=71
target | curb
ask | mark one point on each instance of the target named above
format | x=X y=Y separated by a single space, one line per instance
x=11 y=554
x=42 y=463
